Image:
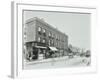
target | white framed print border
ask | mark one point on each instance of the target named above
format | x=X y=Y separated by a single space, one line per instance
x=17 y=61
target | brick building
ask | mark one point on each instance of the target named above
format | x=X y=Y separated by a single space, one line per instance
x=41 y=37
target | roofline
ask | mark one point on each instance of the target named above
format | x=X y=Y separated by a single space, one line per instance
x=36 y=18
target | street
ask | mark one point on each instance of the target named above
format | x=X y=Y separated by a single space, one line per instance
x=68 y=62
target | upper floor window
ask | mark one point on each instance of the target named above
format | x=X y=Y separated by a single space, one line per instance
x=56 y=37
x=56 y=43
x=44 y=30
x=53 y=35
x=52 y=42
x=62 y=40
x=44 y=40
x=39 y=29
x=25 y=37
x=39 y=39
x=49 y=42
x=50 y=34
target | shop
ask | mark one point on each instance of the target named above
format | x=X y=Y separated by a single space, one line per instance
x=34 y=52
x=52 y=52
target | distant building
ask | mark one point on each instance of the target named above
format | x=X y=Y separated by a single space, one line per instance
x=40 y=35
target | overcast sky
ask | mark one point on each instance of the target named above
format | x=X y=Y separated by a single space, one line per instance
x=75 y=25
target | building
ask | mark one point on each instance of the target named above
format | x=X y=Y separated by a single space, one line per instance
x=41 y=38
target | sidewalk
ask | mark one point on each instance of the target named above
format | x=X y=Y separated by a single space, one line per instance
x=56 y=63
x=46 y=60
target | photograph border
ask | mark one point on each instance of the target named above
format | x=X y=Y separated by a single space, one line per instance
x=16 y=51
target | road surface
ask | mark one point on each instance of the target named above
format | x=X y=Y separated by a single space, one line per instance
x=69 y=62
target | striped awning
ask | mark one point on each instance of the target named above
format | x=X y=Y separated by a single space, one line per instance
x=53 y=48
x=40 y=47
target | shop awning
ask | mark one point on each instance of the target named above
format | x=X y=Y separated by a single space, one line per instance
x=40 y=47
x=53 y=48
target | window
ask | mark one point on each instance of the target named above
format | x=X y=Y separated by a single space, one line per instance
x=56 y=43
x=56 y=37
x=49 y=42
x=53 y=35
x=24 y=33
x=44 y=40
x=49 y=34
x=39 y=29
x=52 y=41
x=60 y=38
x=44 y=30
x=25 y=37
x=39 y=39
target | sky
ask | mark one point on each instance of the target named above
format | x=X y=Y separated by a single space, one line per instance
x=75 y=25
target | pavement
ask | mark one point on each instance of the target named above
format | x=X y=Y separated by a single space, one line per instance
x=46 y=60
x=57 y=63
